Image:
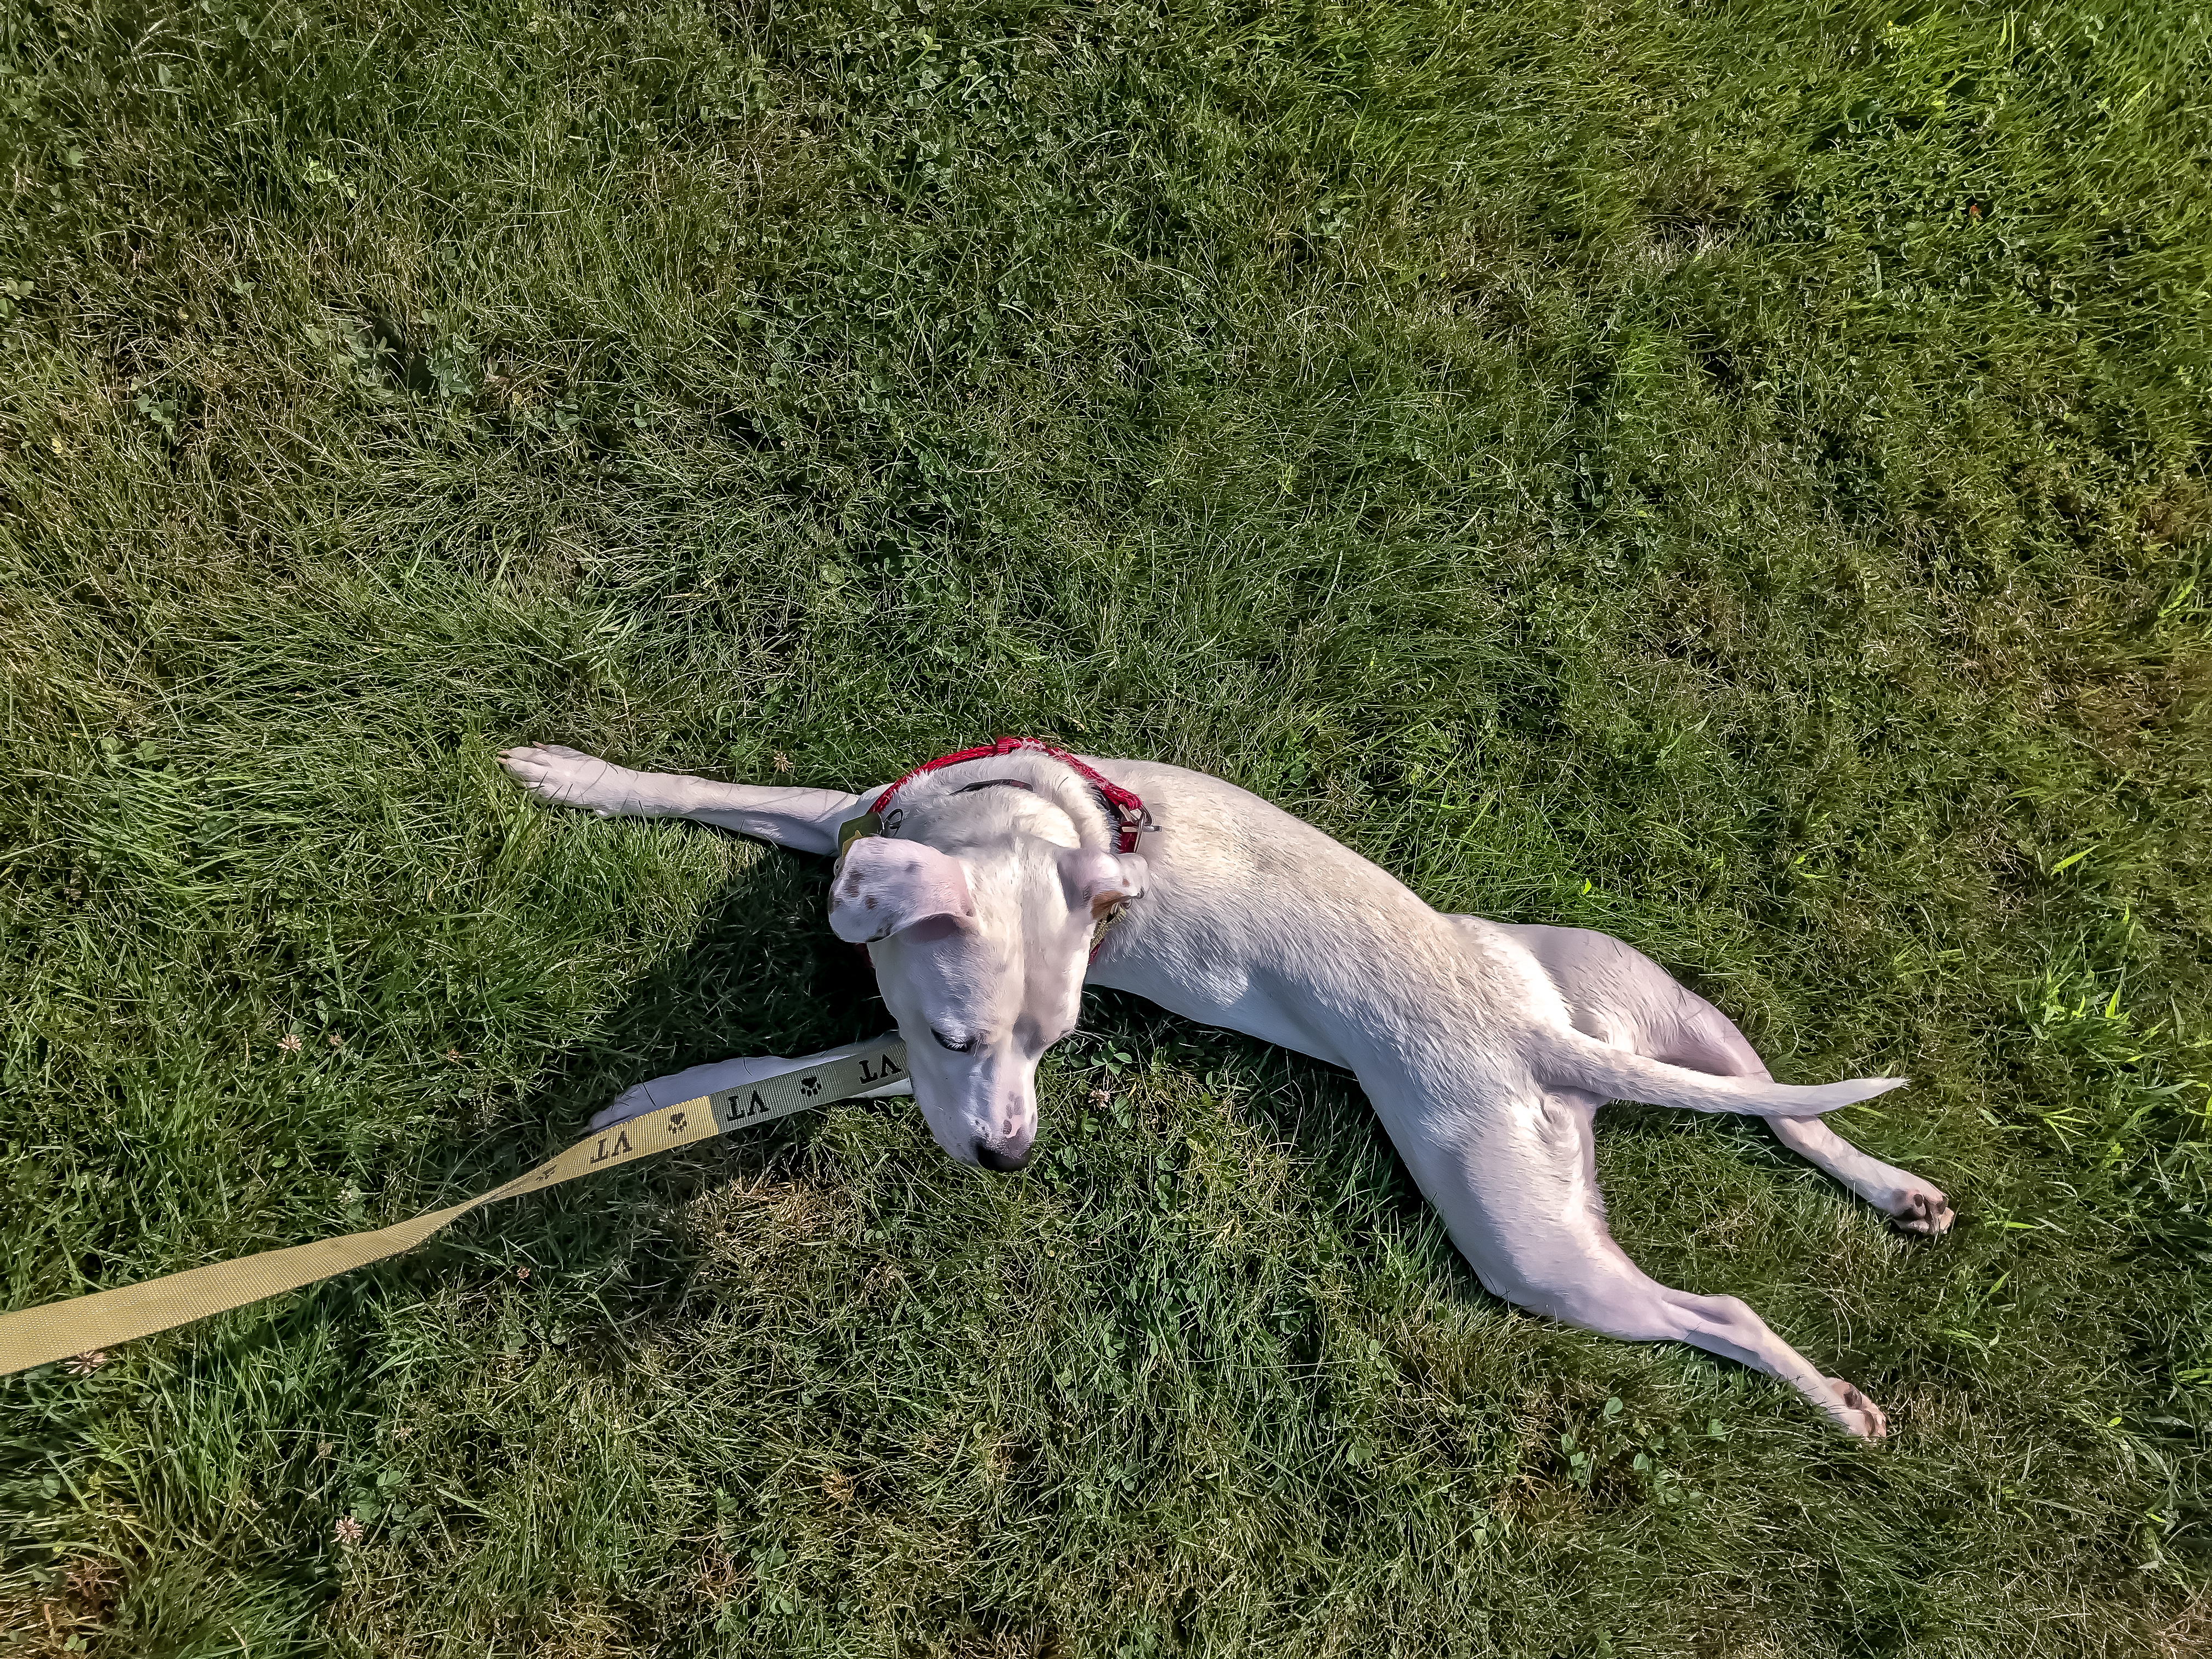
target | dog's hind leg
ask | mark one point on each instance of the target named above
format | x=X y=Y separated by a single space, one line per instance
x=1619 y=1299
x=1913 y=1205
x=1520 y=1200
x=806 y=820
x=1617 y=994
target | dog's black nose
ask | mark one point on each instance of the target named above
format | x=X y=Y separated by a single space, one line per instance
x=1006 y=1156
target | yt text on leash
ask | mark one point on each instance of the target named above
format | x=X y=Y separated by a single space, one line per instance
x=990 y=888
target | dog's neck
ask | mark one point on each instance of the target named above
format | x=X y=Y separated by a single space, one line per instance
x=995 y=783
x=1025 y=791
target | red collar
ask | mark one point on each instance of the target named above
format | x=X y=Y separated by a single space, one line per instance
x=1123 y=809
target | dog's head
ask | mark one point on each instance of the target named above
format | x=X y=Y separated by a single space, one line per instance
x=980 y=956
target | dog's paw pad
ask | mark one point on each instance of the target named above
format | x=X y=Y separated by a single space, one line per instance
x=630 y=1104
x=1920 y=1210
x=1855 y=1412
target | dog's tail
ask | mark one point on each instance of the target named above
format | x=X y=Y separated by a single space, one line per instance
x=1582 y=1062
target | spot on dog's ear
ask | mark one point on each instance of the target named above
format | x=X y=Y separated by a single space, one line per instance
x=888 y=887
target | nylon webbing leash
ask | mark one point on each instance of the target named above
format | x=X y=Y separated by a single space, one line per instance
x=39 y=1336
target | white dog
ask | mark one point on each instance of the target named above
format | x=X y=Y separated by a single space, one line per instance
x=983 y=885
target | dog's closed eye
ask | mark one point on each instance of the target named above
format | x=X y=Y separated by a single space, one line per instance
x=945 y=1041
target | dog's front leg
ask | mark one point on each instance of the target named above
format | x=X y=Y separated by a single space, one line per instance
x=806 y=820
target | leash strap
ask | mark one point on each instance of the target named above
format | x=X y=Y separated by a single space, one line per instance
x=39 y=1336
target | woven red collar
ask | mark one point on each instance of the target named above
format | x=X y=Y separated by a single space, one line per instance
x=1123 y=808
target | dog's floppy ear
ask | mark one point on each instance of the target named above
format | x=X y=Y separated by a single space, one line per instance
x=882 y=887
x=1096 y=881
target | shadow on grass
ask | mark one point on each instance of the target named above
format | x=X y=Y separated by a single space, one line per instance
x=761 y=975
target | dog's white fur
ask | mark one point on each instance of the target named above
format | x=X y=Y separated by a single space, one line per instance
x=1486 y=1048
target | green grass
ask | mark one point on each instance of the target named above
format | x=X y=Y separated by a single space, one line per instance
x=1731 y=475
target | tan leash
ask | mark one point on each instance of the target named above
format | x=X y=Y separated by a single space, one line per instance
x=39 y=1336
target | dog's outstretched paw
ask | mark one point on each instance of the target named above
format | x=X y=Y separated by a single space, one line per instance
x=1855 y=1414
x=566 y=777
x=1919 y=1209
x=633 y=1102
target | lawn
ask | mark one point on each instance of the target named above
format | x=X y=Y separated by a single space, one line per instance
x=1731 y=475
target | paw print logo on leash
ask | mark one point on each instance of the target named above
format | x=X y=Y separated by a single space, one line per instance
x=810 y=1087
